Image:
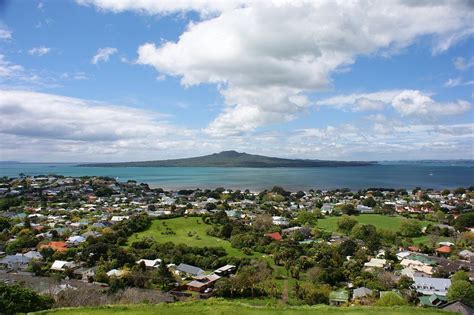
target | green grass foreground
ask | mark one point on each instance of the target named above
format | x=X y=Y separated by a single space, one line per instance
x=182 y=226
x=217 y=306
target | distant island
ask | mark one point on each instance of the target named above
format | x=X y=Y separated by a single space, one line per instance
x=233 y=159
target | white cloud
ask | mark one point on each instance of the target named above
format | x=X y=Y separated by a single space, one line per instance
x=5 y=34
x=461 y=63
x=39 y=51
x=9 y=69
x=103 y=54
x=405 y=102
x=205 y=7
x=453 y=82
x=285 y=50
x=46 y=127
x=414 y=103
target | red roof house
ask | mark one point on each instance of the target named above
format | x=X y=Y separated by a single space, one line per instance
x=275 y=236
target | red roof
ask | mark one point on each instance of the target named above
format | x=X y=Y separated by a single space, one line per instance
x=444 y=250
x=275 y=235
x=57 y=246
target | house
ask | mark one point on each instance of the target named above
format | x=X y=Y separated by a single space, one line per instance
x=119 y=218
x=276 y=236
x=458 y=307
x=33 y=255
x=433 y=300
x=361 y=292
x=190 y=270
x=280 y=221
x=76 y=240
x=155 y=263
x=201 y=283
x=364 y=209
x=61 y=265
x=56 y=246
x=225 y=270
x=15 y=262
x=85 y=273
x=443 y=250
x=116 y=273
x=429 y=286
x=376 y=263
x=338 y=297
x=91 y=234
x=466 y=254
x=327 y=208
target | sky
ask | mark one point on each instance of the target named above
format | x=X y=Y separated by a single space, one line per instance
x=127 y=80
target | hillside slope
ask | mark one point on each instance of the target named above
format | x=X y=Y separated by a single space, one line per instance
x=221 y=307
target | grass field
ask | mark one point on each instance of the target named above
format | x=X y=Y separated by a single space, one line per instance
x=378 y=220
x=182 y=226
x=214 y=307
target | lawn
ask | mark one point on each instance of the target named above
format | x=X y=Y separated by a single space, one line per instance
x=392 y=223
x=189 y=230
x=214 y=307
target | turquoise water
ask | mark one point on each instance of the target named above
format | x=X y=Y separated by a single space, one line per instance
x=407 y=175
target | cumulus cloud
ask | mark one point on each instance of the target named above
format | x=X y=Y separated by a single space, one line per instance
x=411 y=102
x=47 y=127
x=103 y=54
x=39 y=51
x=290 y=47
x=405 y=102
x=40 y=115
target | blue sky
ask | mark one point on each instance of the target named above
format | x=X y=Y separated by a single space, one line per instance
x=101 y=80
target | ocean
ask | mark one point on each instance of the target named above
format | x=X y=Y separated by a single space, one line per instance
x=408 y=175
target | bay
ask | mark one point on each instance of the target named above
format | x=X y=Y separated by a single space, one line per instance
x=406 y=174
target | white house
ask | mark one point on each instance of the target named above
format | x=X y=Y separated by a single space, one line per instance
x=155 y=263
x=429 y=286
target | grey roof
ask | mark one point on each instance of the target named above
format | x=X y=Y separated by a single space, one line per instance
x=361 y=292
x=428 y=286
x=15 y=259
x=192 y=270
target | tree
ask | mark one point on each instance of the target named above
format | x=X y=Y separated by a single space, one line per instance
x=369 y=202
x=460 y=275
x=461 y=290
x=391 y=299
x=164 y=277
x=367 y=233
x=349 y=209
x=345 y=224
x=464 y=221
x=410 y=228
x=16 y=299
x=306 y=217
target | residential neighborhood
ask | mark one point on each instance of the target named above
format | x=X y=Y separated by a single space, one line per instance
x=339 y=247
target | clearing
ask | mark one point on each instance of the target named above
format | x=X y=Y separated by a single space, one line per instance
x=190 y=231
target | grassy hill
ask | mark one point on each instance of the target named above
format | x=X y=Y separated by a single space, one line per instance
x=232 y=159
x=215 y=307
x=189 y=231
